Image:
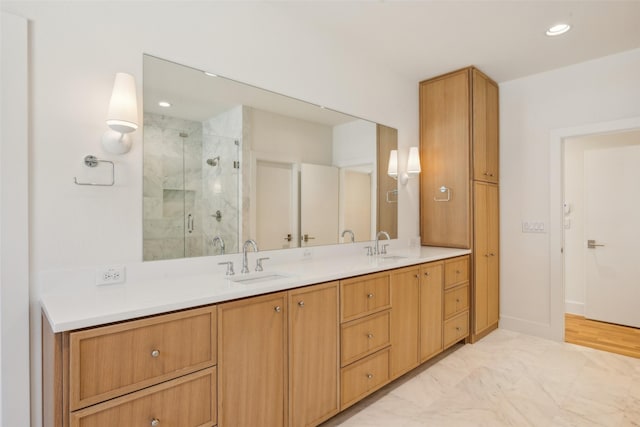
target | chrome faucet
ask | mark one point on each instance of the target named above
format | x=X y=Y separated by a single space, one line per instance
x=245 y=268
x=353 y=236
x=377 y=250
x=218 y=239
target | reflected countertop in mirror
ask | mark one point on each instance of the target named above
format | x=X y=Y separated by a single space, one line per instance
x=225 y=162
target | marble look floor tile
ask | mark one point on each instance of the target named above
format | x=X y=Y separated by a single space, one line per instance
x=508 y=379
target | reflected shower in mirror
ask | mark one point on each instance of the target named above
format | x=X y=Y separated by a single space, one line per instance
x=225 y=162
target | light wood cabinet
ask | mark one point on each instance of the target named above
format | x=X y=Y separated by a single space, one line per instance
x=486 y=258
x=110 y=361
x=188 y=401
x=456 y=300
x=364 y=295
x=364 y=377
x=459 y=142
x=431 y=283
x=313 y=354
x=364 y=336
x=456 y=329
x=445 y=120
x=485 y=128
x=129 y=373
x=405 y=320
x=252 y=362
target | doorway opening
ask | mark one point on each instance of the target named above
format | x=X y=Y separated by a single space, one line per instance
x=601 y=201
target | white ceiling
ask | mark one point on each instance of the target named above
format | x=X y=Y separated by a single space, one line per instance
x=505 y=39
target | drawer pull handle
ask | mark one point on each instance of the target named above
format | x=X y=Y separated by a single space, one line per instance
x=369 y=335
x=369 y=376
x=457 y=271
x=155 y=422
x=301 y=303
x=369 y=296
x=277 y=309
x=155 y=353
x=458 y=328
x=427 y=273
x=457 y=299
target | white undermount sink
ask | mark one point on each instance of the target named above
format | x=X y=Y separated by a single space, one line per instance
x=251 y=278
x=392 y=257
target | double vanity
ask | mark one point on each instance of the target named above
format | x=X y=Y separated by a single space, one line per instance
x=290 y=346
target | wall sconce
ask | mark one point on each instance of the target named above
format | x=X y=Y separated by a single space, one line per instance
x=122 y=117
x=413 y=165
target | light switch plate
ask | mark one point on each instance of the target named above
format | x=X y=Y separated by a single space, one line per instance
x=533 y=227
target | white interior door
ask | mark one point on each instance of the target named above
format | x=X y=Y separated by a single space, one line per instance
x=612 y=206
x=318 y=204
x=274 y=205
x=356 y=207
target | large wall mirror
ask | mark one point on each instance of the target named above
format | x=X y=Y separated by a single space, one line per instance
x=225 y=162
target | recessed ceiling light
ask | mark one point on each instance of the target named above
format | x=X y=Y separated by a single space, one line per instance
x=164 y=104
x=210 y=74
x=558 y=29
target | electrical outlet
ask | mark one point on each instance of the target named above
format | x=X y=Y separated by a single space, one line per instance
x=110 y=275
x=533 y=227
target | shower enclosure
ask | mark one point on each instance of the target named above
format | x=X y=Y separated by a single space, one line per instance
x=191 y=188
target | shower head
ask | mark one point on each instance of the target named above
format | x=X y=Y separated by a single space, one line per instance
x=214 y=161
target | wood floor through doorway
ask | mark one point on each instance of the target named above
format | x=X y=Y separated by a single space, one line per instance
x=601 y=335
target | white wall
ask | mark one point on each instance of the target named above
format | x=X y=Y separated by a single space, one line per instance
x=75 y=50
x=574 y=233
x=14 y=224
x=355 y=143
x=290 y=139
x=532 y=111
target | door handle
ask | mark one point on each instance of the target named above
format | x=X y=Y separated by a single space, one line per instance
x=591 y=244
x=288 y=238
x=306 y=238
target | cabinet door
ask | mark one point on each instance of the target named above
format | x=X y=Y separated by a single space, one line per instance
x=405 y=297
x=445 y=217
x=486 y=256
x=431 y=281
x=252 y=361
x=313 y=354
x=485 y=128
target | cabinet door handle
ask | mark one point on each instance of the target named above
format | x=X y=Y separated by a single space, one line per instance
x=417 y=276
x=492 y=254
x=369 y=335
x=457 y=299
x=369 y=296
x=155 y=353
x=457 y=271
x=155 y=422
x=277 y=309
x=369 y=376
x=301 y=303
x=427 y=274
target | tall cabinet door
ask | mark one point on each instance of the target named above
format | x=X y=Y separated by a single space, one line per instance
x=485 y=128
x=313 y=354
x=431 y=281
x=445 y=207
x=486 y=256
x=252 y=361
x=405 y=291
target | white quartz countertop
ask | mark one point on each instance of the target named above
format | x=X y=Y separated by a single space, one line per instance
x=96 y=305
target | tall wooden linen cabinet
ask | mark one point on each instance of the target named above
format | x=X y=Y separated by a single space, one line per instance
x=459 y=204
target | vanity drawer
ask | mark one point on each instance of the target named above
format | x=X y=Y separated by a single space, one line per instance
x=363 y=377
x=188 y=401
x=456 y=300
x=364 y=336
x=456 y=329
x=456 y=271
x=110 y=361
x=364 y=295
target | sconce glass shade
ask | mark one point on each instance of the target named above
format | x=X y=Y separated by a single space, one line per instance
x=392 y=169
x=123 y=107
x=413 y=164
x=122 y=117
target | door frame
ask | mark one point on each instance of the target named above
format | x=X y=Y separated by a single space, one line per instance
x=556 y=214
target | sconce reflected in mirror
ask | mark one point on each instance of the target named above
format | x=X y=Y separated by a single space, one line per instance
x=413 y=165
x=122 y=117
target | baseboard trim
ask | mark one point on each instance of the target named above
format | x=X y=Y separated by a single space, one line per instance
x=574 y=307
x=543 y=330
